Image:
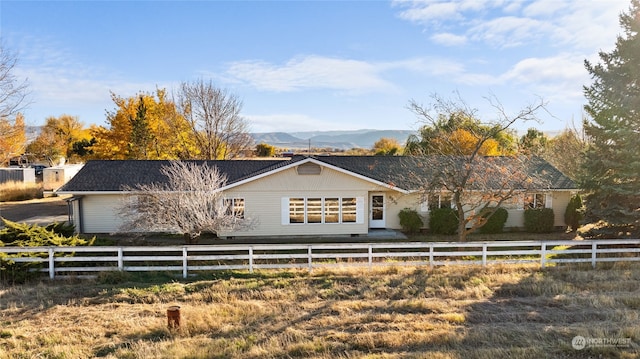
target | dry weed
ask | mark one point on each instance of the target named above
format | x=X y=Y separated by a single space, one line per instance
x=447 y=312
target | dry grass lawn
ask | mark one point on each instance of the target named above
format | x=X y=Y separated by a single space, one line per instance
x=445 y=312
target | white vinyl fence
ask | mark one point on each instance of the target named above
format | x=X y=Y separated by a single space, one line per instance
x=82 y=261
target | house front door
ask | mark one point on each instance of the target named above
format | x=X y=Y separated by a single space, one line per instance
x=377 y=210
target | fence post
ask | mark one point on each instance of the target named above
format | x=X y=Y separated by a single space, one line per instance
x=184 y=262
x=594 y=253
x=309 y=255
x=430 y=255
x=250 y=259
x=52 y=269
x=484 y=254
x=120 y=259
x=370 y=256
x=543 y=255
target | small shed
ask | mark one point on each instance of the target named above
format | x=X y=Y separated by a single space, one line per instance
x=17 y=174
x=54 y=177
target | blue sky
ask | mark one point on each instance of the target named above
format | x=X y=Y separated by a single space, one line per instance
x=312 y=65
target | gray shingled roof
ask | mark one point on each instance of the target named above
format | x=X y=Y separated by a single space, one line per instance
x=114 y=175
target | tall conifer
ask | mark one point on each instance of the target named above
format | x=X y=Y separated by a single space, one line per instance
x=611 y=170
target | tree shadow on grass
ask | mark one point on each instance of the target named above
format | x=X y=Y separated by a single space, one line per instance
x=540 y=315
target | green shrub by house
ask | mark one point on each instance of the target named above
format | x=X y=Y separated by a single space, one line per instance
x=495 y=223
x=443 y=221
x=27 y=235
x=574 y=212
x=410 y=220
x=539 y=220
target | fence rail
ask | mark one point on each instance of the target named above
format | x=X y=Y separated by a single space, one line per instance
x=75 y=261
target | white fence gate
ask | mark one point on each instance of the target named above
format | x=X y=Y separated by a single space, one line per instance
x=82 y=261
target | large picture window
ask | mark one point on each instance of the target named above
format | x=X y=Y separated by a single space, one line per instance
x=321 y=210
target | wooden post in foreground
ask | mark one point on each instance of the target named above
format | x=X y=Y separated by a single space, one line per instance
x=173 y=317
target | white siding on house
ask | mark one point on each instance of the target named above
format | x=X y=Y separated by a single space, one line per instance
x=557 y=199
x=99 y=213
x=266 y=200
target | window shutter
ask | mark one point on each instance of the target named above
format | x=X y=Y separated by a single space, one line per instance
x=424 y=204
x=521 y=202
x=548 y=200
x=360 y=210
x=284 y=209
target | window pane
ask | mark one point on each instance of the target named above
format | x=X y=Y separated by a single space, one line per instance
x=377 y=207
x=296 y=210
x=314 y=210
x=534 y=200
x=445 y=201
x=434 y=202
x=331 y=210
x=238 y=207
x=348 y=210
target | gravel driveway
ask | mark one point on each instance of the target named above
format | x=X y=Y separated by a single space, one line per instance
x=37 y=211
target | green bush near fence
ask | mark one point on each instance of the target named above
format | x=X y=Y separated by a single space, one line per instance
x=539 y=220
x=495 y=223
x=410 y=220
x=443 y=221
x=28 y=235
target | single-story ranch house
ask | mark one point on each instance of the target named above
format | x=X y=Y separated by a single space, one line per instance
x=303 y=195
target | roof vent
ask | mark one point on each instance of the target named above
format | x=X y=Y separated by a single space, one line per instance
x=309 y=169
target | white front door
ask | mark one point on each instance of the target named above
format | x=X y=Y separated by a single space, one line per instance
x=377 y=210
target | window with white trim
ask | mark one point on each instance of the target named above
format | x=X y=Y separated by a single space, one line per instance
x=296 y=210
x=314 y=210
x=436 y=201
x=235 y=206
x=534 y=200
x=331 y=210
x=349 y=210
x=322 y=210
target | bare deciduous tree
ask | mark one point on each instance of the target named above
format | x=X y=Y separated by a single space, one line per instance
x=189 y=202
x=476 y=184
x=214 y=118
x=13 y=92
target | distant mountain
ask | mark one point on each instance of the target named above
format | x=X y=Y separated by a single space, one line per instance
x=342 y=140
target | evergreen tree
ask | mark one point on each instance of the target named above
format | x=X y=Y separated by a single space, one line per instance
x=611 y=170
x=141 y=136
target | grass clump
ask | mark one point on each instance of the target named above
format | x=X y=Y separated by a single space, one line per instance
x=20 y=191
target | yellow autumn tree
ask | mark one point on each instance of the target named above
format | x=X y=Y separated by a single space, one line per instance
x=57 y=138
x=144 y=126
x=386 y=146
x=13 y=139
x=463 y=142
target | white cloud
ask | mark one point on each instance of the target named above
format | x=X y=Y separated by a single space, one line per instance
x=449 y=39
x=311 y=72
x=354 y=77
x=427 y=11
x=574 y=24
x=558 y=78
x=508 y=31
